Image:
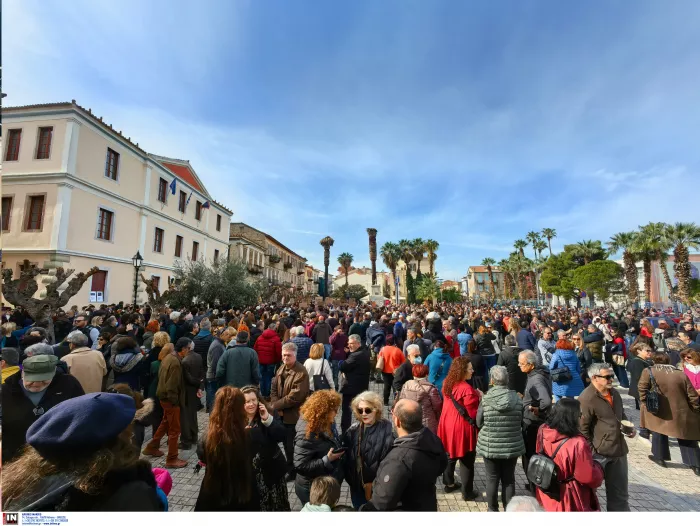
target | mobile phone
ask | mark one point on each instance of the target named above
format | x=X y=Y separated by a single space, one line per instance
x=339 y=450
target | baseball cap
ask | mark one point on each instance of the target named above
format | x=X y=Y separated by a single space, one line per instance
x=39 y=368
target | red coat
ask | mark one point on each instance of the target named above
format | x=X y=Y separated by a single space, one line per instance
x=269 y=348
x=574 y=459
x=454 y=346
x=457 y=435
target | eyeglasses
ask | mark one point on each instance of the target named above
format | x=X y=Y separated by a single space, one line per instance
x=606 y=376
x=365 y=410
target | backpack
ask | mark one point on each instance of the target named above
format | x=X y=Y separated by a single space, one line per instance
x=653 y=395
x=544 y=473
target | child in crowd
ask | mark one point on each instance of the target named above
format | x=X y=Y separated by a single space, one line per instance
x=324 y=495
x=164 y=484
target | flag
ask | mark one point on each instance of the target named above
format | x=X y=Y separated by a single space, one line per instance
x=188 y=200
x=206 y=204
x=172 y=186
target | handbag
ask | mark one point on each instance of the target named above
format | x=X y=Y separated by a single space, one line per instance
x=653 y=396
x=560 y=375
x=618 y=359
x=380 y=362
x=320 y=380
x=544 y=473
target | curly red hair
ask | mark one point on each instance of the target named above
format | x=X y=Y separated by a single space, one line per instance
x=567 y=345
x=318 y=411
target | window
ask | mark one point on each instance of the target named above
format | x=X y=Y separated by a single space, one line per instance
x=218 y=222
x=162 y=190
x=178 y=246
x=158 y=240
x=104 y=224
x=6 y=211
x=183 y=202
x=35 y=212
x=43 y=149
x=98 y=286
x=195 y=250
x=112 y=164
x=216 y=256
x=12 y=153
x=198 y=211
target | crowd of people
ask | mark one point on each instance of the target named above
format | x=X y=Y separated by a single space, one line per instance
x=457 y=382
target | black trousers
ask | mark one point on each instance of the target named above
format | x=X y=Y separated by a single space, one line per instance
x=690 y=453
x=388 y=381
x=289 y=446
x=500 y=471
x=530 y=439
x=466 y=472
x=189 y=429
x=346 y=416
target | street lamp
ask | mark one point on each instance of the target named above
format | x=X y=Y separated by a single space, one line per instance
x=136 y=260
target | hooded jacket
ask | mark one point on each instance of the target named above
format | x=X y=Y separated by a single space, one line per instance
x=406 y=477
x=438 y=363
x=499 y=420
x=269 y=348
x=322 y=332
x=426 y=394
x=376 y=337
x=126 y=362
x=537 y=389
x=595 y=341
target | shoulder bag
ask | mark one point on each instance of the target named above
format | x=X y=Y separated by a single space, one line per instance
x=320 y=380
x=560 y=375
x=380 y=362
x=544 y=473
x=463 y=412
x=653 y=396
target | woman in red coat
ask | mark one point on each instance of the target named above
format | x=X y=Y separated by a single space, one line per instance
x=574 y=460
x=457 y=434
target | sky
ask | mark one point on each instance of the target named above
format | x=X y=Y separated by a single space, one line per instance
x=470 y=123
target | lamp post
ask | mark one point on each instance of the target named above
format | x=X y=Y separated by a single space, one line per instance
x=136 y=260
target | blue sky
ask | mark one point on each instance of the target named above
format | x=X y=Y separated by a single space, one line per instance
x=467 y=122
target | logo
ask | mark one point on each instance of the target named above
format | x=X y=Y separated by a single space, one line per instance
x=10 y=518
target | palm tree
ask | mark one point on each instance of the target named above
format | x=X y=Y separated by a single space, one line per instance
x=326 y=243
x=539 y=246
x=391 y=253
x=533 y=238
x=645 y=248
x=655 y=235
x=372 y=233
x=549 y=234
x=588 y=250
x=508 y=281
x=520 y=245
x=431 y=247
x=418 y=250
x=683 y=236
x=345 y=260
x=487 y=262
x=624 y=241
x=406 y=254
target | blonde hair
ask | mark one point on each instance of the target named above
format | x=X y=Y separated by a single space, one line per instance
x=96 y=321
x=9 y=327
x=372 y=399
x=317 y=351
x=324 y=490
x=160 y=339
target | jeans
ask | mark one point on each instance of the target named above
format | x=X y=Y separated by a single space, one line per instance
x=346 y=417
x=170 y=425
x=388 y=381
x=621 y=374
x=335 y=366
x=466 y=472
x=267 y=372
x=357 y=496
x=210 y=387
x=501 y=471
x=616 y=483
x=490 y=361
x=327 y=351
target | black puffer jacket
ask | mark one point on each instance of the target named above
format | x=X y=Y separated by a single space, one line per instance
x=483 y=343
x=509 y=359
x=311 y=456
x=406 y=477
x=538 y=388
x=377 y=441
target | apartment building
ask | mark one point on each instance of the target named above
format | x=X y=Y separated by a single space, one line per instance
x=479 y=285
x=78 y=193
x=267 y=257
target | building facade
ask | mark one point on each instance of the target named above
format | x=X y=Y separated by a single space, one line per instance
x=266 y=256
x=478 y=284
x=77 y=193
x=311 y=276
x=362 y=276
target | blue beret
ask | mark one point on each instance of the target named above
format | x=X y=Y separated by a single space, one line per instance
x=81 y=425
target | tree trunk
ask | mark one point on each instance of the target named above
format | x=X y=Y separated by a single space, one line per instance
x=631 y=275
x=681 y=268
x=647 y=279
x=549 y=242
x=662 y=257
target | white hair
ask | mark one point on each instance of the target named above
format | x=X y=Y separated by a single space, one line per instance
x=530 y=357
x=596 y=368
x=289 y=346
x=77 y=338
x=523 y=504
x=174 y=316
x=499 y=375
x=299 y=330
x=411 y=348
x=356 y=338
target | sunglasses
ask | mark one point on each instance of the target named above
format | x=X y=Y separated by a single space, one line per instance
x=365 y=410
x=606 y=376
